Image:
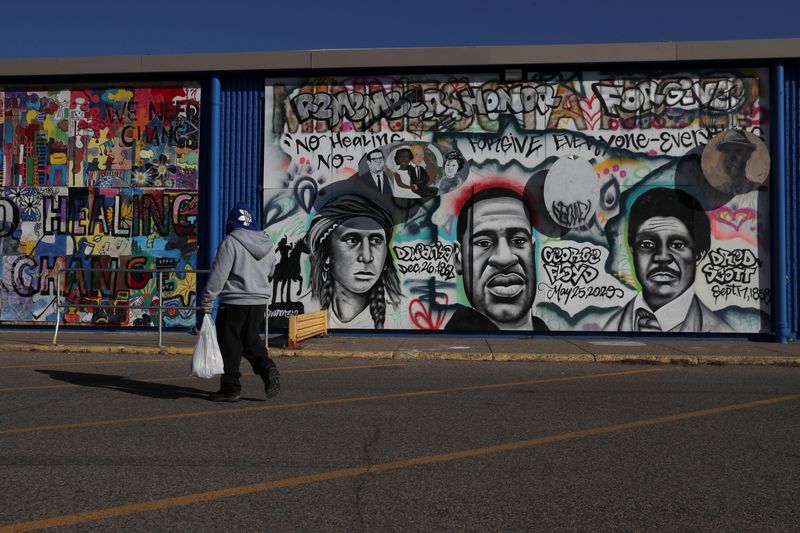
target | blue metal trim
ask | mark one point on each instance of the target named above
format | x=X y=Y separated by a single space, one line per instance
x=241 y=166
x=792 y=139
x=778 y=201
x=214 y=229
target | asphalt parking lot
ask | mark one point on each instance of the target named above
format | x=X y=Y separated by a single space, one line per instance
x=128 y=442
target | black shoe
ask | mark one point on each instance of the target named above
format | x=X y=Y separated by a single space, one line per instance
x=223 y=396
x=272 y=382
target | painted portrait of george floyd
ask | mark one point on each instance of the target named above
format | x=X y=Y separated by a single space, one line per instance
x=495 y=257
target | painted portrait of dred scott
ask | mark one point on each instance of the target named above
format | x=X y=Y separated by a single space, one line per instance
x=668 y=234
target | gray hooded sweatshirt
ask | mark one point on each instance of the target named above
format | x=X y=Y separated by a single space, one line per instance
x=244 y=262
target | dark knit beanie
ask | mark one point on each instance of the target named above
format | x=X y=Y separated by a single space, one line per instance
x=240 y=217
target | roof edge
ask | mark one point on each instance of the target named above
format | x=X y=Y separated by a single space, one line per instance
x=547 y=54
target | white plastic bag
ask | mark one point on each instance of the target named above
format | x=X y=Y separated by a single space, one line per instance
x=207 y=359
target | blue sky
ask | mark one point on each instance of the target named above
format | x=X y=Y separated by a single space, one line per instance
x=48 y=28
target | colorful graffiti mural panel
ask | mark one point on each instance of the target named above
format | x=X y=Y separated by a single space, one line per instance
x=584 y=201
x=99 y=178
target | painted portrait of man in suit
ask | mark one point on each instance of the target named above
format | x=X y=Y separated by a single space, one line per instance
x=668 y=235
x=376 y=179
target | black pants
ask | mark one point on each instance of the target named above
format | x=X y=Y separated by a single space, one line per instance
x=237 y=333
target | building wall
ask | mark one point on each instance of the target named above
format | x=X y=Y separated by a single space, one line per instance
x=98 y=177
x=78 y=188
x=527 y=228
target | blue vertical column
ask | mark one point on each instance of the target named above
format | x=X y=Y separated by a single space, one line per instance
x=215 y=223
x=209 y=217
x=780 y=284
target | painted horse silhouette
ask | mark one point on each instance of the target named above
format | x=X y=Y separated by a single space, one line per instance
x=288 y=269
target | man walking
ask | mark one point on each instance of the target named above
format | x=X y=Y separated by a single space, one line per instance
x=240 y=277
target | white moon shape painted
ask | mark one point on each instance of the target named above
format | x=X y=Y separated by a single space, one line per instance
x=571 y=191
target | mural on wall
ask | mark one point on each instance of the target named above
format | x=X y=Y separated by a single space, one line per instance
x=584 y=201
x=101 y=178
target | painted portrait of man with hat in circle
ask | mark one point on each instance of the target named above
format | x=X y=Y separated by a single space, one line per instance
x=735 y=162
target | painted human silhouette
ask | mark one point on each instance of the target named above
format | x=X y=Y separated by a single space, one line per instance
x=293 y=269
x=282 y=267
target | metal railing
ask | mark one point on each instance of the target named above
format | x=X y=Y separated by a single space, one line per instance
x=159 y=273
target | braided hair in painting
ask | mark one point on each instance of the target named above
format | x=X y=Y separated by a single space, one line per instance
x=377 y=305
x=326 y=293
x=329 y=217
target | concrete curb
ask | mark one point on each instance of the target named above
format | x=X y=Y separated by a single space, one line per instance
x=299 y=352
x=673 y=359
x=546 y=357
x=96 y=348
x=785 y=360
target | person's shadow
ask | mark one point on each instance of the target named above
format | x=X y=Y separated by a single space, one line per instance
x=124 y=384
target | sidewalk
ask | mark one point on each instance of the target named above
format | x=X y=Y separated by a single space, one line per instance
x=664 y=351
